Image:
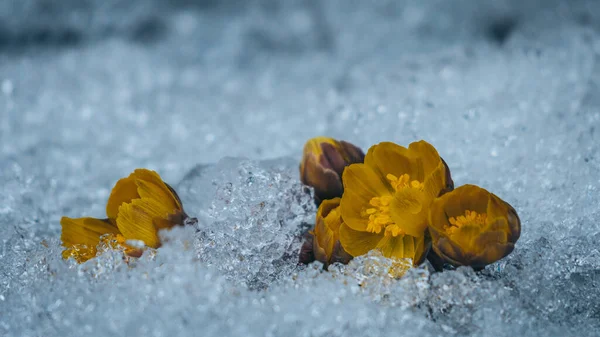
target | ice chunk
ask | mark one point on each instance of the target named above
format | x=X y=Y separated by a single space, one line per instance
x=251 y=217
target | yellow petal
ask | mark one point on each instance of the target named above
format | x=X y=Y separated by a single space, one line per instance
x=326 y=232
x=125 y=190
x=503 y=217
x=362 y=179
x=409 y=212
x=389 y=158
x=434 y=183
x=419 y=160
x=490 y=238
x=358 y=243
x=422 y=246
x=491 y=254
x=324 y=236
x=428 y=156
x=150 y=185
x=467 y=197
x=136 y=221
x=497 y=224
x=159 y=193
x=361 y=184
x=401 y=246
x=177 y=199
x=466 y=236
x=437 y=217
x=84 y=231
x=327 y=206
x=448 y=250
x=333 y=221
x=497 y=214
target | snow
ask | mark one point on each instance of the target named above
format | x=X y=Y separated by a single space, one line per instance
x=219 y=98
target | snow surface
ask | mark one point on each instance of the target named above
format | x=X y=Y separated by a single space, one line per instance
x=219 y=98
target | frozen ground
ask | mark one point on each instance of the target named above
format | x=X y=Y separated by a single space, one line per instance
x=508 y=91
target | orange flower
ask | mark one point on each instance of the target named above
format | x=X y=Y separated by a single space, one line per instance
x=386 y=200
x=138 y=207
x=473 y=227
x=326 y=245
x=323 y=162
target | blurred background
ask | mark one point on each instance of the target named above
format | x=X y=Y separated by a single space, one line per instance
x=137 y=83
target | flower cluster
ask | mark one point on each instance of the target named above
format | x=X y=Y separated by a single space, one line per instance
x=402 y=202
x=138 y=207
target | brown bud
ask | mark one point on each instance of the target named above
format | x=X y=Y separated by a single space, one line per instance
x=323 y=163
x=306 y=251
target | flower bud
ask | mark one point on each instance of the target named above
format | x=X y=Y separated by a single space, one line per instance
x=307 y=254
x=323 y=162
x=326 y=247
x=472 y=227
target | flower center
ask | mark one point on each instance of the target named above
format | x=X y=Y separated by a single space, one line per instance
x=471 y=218
x=404 y=181
x=379 y=214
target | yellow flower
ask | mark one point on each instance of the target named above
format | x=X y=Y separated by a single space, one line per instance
x=386 y=199
x=326 y=244
x=138 y=207
x=473 y=227
x=323 y=162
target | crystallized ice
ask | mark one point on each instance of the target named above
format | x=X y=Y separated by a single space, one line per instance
x=251 y=231
x=219 y=98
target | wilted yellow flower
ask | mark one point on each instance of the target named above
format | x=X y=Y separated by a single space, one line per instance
x=386 y=200
x=326 y=245
x=473 y=227
x=323 y=162
x=138 y=207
